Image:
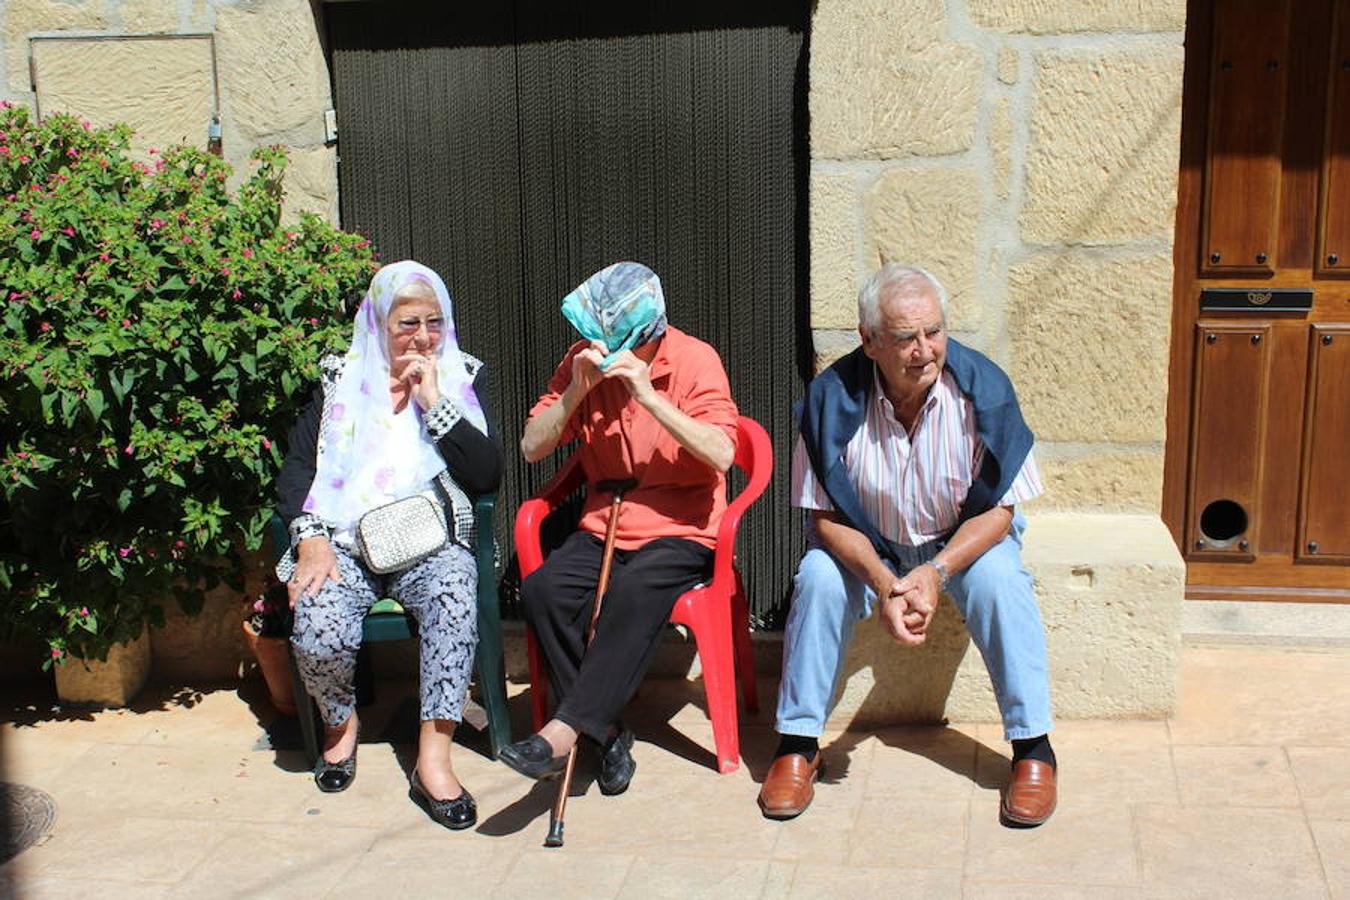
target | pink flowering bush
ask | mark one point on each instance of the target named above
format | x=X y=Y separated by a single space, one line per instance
x=157 y=330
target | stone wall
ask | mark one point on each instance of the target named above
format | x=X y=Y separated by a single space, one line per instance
x=171 y=64
x=1026 y=152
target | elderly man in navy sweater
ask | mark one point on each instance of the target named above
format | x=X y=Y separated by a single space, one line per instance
x=911 y=459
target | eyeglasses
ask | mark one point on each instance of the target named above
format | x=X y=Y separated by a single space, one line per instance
x=411 y=325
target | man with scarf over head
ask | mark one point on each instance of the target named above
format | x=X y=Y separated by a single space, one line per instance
x=911 y=458
x=650 y=404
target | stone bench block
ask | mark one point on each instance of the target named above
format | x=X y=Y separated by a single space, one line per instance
x=1110 y=589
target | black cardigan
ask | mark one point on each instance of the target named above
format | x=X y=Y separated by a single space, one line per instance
x=473 y=458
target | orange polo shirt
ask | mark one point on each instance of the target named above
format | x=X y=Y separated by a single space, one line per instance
x=676 y=495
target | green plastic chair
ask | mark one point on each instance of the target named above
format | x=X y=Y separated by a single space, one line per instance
x=387 y=621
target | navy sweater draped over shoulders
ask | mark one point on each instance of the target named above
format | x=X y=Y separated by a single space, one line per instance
x=836 y=403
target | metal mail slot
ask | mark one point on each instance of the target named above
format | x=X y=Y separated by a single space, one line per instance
x=1260 y=298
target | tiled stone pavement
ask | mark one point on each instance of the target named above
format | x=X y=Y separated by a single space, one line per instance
x=1245 y=793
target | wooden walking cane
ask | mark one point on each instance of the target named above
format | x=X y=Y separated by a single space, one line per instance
x=617 y=489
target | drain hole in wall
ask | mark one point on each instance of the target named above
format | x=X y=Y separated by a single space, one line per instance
x=1223 y=522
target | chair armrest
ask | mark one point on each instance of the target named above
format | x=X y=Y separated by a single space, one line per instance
x=278 y=537
x=754 y=454
x=483 y=510
x=532 y=513
x=563 y=483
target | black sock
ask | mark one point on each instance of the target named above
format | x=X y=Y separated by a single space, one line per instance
x=796 y=743
x=1035 y=748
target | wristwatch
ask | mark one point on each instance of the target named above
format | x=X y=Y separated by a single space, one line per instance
x=941 y=568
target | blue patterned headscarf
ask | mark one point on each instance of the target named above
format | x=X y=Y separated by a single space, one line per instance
x=621 y=305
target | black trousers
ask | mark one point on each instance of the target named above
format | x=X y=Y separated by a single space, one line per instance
x=594 y=685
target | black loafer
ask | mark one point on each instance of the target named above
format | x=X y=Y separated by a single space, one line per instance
x=533 y=757
x=456 y=814
x=332 y=777
x=617 y=764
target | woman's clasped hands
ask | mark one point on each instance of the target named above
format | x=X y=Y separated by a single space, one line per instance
x=416 y=373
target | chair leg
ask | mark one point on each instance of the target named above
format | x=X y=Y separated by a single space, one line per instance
x=491 y=666
x=745 y=654
x=538 y=680
x=711 y=626
x=492 y=685
x=364 y=681
x=305 y=712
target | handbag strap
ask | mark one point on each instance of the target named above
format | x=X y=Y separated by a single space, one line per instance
x=458 y=522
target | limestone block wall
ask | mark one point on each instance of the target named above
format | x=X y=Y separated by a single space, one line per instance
x=1026 y=152
x=263 y=69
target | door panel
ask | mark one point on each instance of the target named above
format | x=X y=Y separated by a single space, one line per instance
x=1333 y=249
x=1324 y=520
x=1231 y=382
x=1282 y=447
x=1245 y=136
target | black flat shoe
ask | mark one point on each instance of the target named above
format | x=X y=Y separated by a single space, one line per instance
x=533 y=757
x=617 y=764
x=332 y=777
x=456 y=814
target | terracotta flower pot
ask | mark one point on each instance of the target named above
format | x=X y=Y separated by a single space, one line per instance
x=272 y=655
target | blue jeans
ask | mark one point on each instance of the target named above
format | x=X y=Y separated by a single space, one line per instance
x=994 y=595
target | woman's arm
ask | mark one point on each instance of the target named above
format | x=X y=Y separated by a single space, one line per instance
x=315 y=559
x=474 y=458
x=297 y=470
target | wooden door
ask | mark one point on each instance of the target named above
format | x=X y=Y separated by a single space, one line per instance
x=1259 y=405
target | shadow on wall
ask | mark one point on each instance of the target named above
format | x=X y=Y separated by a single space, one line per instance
x=1162 y=128
x=1053 y=284
x=886 y=683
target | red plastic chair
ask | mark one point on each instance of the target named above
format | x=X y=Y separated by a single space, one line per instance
x=716 y=613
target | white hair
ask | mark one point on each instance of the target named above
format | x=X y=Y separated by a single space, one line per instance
x=911 y=279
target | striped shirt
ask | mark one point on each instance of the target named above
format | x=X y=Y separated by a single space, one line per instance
x=912 y=484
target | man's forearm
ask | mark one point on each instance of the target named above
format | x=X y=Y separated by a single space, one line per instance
x=708 y=443
x=544 y=430
x=852 y=548
x=974 y=538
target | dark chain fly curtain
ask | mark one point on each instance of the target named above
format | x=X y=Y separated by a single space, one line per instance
x=518 y=147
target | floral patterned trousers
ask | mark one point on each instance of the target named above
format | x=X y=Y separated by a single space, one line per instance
x=441 y=594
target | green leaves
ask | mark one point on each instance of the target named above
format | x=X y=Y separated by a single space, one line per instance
x=120 y=383
x=94 y=400
x=154 y=328
x=173 y=284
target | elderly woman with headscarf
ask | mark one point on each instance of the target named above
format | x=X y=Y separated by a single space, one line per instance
x=651 y=404
x=402 y=413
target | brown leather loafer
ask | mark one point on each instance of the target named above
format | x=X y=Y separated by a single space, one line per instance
x=1031 y=794
x=790 y=786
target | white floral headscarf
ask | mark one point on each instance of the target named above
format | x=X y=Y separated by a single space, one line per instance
x=368 y=456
